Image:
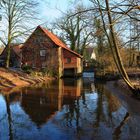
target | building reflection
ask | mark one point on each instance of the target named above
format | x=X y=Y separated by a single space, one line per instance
x=81 y=105
x=41 y=104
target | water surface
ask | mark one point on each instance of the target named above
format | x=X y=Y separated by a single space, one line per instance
x=69 y=109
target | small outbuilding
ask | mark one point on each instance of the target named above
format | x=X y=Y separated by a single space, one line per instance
x=15 y=56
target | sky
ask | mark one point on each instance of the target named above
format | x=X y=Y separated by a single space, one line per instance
x=49 y=10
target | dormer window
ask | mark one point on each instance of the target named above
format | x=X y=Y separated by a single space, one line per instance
x=42 y=52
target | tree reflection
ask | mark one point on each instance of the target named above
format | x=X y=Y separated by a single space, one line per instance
x=69 y=105
x=6 y=97
x=117 y=132
x=109 y=102
x=99 y=109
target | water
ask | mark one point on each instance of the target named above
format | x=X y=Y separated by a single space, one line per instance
x=66 y=110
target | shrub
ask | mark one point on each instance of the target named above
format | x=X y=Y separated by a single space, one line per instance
x=49 y=72
x=27 y=69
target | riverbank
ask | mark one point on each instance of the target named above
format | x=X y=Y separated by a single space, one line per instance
x=133 y=73
x=10 y=79
x=120 y=90
x=122 y=84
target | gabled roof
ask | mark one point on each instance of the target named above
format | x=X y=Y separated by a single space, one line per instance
x=16 y=48
x=57 y=41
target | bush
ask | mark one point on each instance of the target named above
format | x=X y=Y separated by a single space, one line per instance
x=49 y=72
x=44 y=71
x=27 y=69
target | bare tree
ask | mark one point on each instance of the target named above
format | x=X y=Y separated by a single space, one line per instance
x=17 y=15
x=75 y=30
x=110 y=16
x=116 y=49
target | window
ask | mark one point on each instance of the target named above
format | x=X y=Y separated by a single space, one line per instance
x=33 y=65
x=43 y=65
x=42 y=52
x=68 y=60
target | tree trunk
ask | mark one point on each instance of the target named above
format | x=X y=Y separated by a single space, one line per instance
x=8 y=56
x=116 y=49
x=10 y=16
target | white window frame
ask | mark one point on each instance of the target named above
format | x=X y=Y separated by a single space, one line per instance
x=43 y=52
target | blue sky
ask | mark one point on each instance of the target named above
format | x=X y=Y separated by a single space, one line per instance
x=52 y=9
x=48 y=11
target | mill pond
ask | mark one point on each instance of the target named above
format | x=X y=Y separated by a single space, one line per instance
x=67 y=109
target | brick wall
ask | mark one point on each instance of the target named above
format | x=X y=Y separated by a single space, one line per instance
x=31 y=51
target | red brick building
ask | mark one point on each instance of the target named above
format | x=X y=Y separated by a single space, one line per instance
x=45 y=50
